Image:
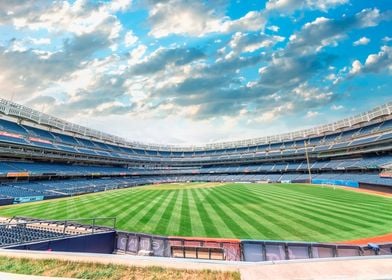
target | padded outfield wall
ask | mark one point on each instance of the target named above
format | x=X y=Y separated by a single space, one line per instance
x=239 y=250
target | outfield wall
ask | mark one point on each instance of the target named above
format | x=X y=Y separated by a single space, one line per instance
x=201 y=248
x=102 y=243
x=238 y=250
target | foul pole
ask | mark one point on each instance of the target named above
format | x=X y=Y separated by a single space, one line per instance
x=307 y=161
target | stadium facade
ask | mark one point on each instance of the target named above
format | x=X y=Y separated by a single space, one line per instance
x=45 y=157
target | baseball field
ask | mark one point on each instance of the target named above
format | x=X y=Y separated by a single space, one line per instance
x=228 y=210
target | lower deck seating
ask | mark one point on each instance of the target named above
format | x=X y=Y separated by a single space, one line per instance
x=20 y=233
x=56 y=188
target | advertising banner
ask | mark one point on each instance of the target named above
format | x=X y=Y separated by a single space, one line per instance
x=27 y=199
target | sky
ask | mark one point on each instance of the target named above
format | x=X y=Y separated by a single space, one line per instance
x=192 y=72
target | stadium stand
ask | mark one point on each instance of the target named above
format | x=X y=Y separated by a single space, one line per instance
x=44 y=157
x=84 y=236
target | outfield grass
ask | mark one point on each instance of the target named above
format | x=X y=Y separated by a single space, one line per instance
x=251 y=211
x=79 y=270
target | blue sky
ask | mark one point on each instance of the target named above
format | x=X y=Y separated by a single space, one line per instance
x=191 y=72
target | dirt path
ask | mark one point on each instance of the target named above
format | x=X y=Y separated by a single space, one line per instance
x=386 y=238
x=384 y=194
x=366 y=191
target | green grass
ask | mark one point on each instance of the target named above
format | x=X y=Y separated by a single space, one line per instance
x=251 y=211
x=58 y=268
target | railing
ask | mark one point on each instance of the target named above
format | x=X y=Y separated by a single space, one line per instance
x=13 y=109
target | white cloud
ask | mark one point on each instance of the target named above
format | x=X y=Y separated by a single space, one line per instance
x=119 y=5
x=331 y=77
x=374 y=63
x=244 y=42
x=369 y=17
x=362 y=41
x=312 y=114
x=40 y=41
x=387 y=39
x=137 y=53
x=322 y=32
x=80 y=17
x=178 y=17
x=335 y=107
x=273 y=28
x=355 y=67
x=130 y=39
x=26 y=43
x=289 y=6
x=275 y=113
x=307 y=93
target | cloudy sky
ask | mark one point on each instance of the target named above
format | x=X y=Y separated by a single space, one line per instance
x=190 y=72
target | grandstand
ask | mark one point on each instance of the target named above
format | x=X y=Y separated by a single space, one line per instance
x=44 y=157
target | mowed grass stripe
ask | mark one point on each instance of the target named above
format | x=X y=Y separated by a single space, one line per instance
x=121 y=212
x=353 y=206
x=175 y=219
x=310 y=225
x=228 y=216
x=146 y=218
x=343 y=194
x=217 y=220
x=99 y=206
x=341 y=208
x=313 y=215
x=186 y=219
x=286 y=223
x=357 y=202
x=136 y=214
x=156 y=217
x=207 y=223
x=339 y=219
x=270 y=221
x=39 y=209
x=327 y=212
x=248 y=218
x=360 y=230
x=162 y=225
x=104 y=207
x=124 y=219
x=197 y=221
x=279 y=227
x=335 y=208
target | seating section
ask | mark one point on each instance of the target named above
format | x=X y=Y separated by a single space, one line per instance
x=58 y=188
x=22 y=134
x=20 y=233
x=20 y=190
x=39 y=168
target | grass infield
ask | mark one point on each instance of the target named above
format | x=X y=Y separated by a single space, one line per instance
x=232 y=210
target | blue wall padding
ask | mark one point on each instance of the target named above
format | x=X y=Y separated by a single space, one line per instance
x=346 y=183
